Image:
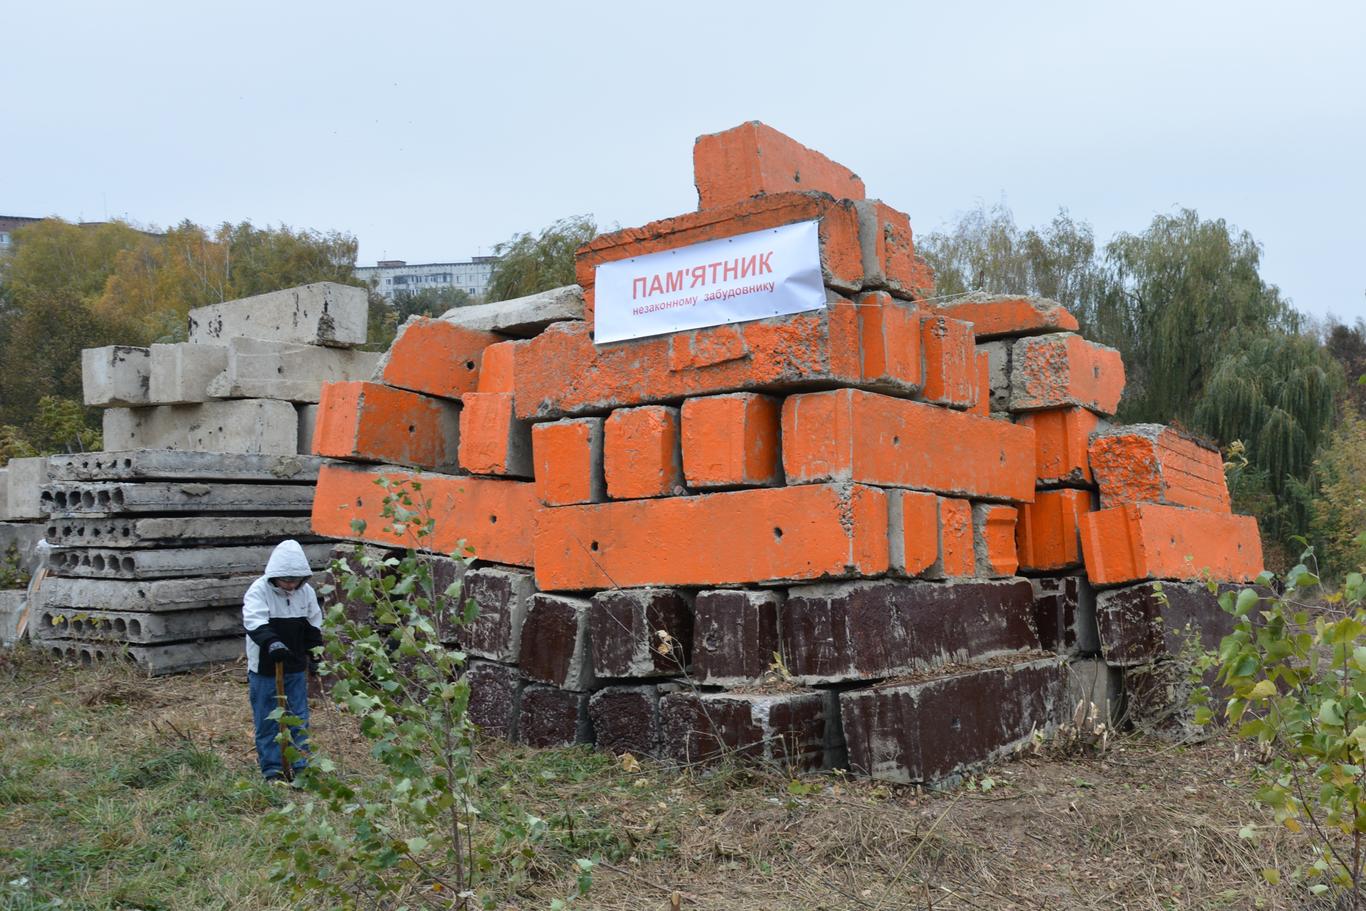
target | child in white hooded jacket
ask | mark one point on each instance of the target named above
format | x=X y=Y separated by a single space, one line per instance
x=284 y=625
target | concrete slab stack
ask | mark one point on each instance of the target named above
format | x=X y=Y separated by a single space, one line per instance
x=152 y=550
x=21 y=530
x=866 y=535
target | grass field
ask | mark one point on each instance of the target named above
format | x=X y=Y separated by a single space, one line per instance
x=120 y=792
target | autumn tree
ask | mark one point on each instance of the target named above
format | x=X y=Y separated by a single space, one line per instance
x=530 y=264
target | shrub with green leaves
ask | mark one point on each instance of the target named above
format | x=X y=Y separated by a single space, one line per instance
x=1294 y=671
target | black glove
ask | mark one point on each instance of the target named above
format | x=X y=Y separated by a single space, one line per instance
x=279 y=652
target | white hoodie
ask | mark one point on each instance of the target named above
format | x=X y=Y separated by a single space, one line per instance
x=264 y=603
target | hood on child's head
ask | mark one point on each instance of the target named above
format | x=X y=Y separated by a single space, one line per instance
x=287 y=560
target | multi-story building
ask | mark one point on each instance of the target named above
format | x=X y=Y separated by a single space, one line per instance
x=392 y=277
x=8 y=223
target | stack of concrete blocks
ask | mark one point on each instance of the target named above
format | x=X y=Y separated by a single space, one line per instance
x=154 y=549
x=846 y=537
x=247 y=381
x=21 y=528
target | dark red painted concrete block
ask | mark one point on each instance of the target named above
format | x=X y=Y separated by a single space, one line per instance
x=1136 y=626
x=735 y=635
x=554 y=647
x=791 y=730
x=495 y=698
x=552 y=717
x=502 y=596
x=626 y=718
x=1066 y=609
x=624 y=629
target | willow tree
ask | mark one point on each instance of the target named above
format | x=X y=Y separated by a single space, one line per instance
x=528 y=264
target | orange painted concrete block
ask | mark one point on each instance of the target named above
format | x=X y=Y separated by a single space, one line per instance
x=1048 y=535
x=1062 y=440
x=1134 y=542
x=754 y=159
x=889 y=341
x=1002 y=316
x=494 y=517
x=568 y=457
x=561 y=373
x=764 y=535
x=889 y=258
x=993 y=539
x=1150 y=463
x=1053 y=371
x=957 y=548
x=913 y=517
x=495 y=368
x=641 y=455
x=435 y=357
x=983 y=406
x=376 y=423
x=850 y=435
x=950 y=362
x=732 y=441
x=492 y=439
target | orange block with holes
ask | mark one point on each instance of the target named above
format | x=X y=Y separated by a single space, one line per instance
x=1048 y=535
x=913 y=517
x=1001 y=316
x=492 y=439
x=1062 y=440
x=561 y=373
x=889 y=341
x=1062 y=369
x=993 y=539
x=983 y=406
x=495 y=368
x=754 y=159
x=731 y=441
x=957 y=547
x=851 y=435
x=494 y=517
x=641 y=455
x=376 y=423
x=568 y=461
x=435 y=357
x=1135 y=542
x=762 y=535
x=1149 y=463
x=950 y=361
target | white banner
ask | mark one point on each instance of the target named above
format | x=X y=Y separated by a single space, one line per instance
x=731 y=280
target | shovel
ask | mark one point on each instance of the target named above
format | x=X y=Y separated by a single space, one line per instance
x=283 y=703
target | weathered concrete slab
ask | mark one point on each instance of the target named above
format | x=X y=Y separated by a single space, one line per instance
x=142 y=628
x=11 y=606
x=174 y=465
x=146 y=595
x=872 y=629
x=1154 y=620
x=19 y=540
x=24 y=480
x=323 y=313
x=108 y=563
x=246 y=425
x=1066 y=610
x=932 y=729
x=552 y=717
x=157 y=660
x=293 y=372
x=181 y=372
x=522 y=317
x=68 y=531
x=790 y=730
x=625 y=632
x=115 y=375
x=116 y=497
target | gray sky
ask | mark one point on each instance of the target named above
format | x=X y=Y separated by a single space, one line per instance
x=432 y=131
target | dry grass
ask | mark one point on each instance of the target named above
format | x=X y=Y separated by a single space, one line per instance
x=1146 y=825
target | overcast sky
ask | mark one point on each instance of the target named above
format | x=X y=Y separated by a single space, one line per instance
x=432 y=131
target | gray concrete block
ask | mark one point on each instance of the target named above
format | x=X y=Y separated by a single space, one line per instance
x=294 y=372
x=124 y=497
x=11 y=606
x=115 y=375
x=24 y=480
x=121 y=626
x=109 y=563
x=323 y=313
x=521 y=317
x=157 y=660
x=146 y=596
x=249 y=425
x=22 y=538
x=1090 y=681
x=998 y=364
x=181 y=372
x=308 y=423
x=166 y=464
x=4 y=493
x=174 y=531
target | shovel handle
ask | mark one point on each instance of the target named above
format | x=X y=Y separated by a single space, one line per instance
x=283 y=702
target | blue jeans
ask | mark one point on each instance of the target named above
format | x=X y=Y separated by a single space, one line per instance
x=261 y=689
